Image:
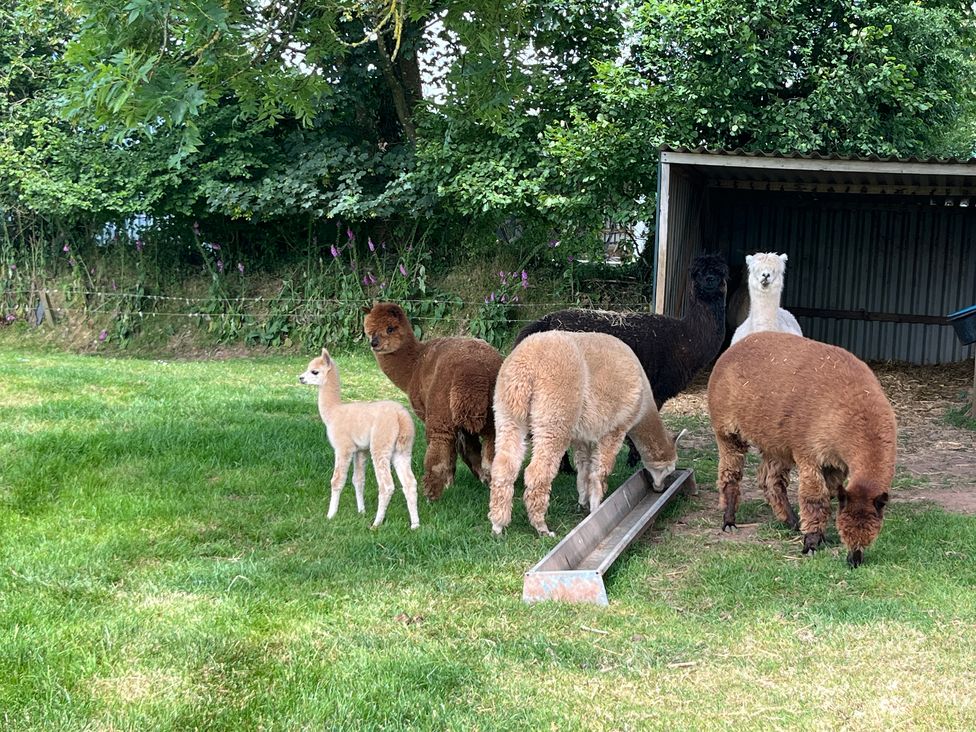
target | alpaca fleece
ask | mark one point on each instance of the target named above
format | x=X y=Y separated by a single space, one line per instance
x=382 y=429
x=814 y=406
x=670 y=350
x=767 y=273
x=585 y=390
x=450 y=382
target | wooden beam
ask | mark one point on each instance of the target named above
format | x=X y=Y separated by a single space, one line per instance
x=869 y=316
x=824 y=166
x=796 y=187
x=661 y=240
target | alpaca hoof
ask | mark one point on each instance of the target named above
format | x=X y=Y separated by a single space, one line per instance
x=812 y=541
x=794 y=524
x=497 y=530
x=582 y=508
x=374 y=527
x=414 y=527
x=729 y=526
x=854 y=558
x=544 y=531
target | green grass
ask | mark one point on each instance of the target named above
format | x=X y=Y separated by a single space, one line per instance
x=165 y=563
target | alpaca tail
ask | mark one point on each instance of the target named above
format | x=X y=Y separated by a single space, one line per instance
x=405 y=434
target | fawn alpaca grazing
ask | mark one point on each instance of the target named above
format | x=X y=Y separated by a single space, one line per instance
x=383 y=429
x=585 y=390
x=811 y=405
x=766 y=274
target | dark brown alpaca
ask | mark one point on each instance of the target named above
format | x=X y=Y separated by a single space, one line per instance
x=450 y=383
x=815 y=406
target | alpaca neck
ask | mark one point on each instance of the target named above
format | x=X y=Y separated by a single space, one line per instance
x=329 y=396
x=651 y=439
x=399 y=366
x=704 y=323
x=764 y=307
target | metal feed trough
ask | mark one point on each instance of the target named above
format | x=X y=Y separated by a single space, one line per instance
x=573 y=571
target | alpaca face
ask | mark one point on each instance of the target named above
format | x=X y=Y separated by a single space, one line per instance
x=318 y=370
x=660 y=471
x=859 y=517
x=766 y=271
x=709 y=275
x=386 y=326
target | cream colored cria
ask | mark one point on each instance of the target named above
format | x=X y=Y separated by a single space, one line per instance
x=580 y=390
x=384 y=430
x=767 y=272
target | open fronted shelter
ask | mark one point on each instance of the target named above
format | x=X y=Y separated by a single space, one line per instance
x=880 y=249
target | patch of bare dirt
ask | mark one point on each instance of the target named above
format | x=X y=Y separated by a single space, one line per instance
x=937 y=458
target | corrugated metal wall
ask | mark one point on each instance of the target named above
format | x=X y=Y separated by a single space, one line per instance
x=686 y=202
x=848 y=253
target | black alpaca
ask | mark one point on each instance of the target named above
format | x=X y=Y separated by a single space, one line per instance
x=671 y=350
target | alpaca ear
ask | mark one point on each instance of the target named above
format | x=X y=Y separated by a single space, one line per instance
x=880 y=502
x=325 y=357
x=395 y=311
x=783 y=257
x=367 y=309
x=678 y=436
x=749 y=258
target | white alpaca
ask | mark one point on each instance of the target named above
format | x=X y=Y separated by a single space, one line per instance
x=384 y=429
x=766 y=273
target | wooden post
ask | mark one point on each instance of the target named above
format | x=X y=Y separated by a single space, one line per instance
x=972 y=408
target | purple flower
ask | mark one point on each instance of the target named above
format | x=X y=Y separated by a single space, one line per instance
x=372 y=279
x=366 y=281
x=569 y=257
x=370 y=244
x=525 y=278
x=240 y=267
x=10 y=317
x=553 y=243
x=504 y=298
x=215 y=247
x=491 y=297
x=220 y=266
x=335 y=252
x=65 y=248
x=403 y=270
x=382 y=285
x=138 y=245
x=102 y=336
x=13 y=267
x=349 y=234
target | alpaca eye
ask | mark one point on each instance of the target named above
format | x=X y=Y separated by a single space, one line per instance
x=390 y=329
x=314 y=372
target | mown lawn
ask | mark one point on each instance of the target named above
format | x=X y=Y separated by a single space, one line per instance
x=165 y=563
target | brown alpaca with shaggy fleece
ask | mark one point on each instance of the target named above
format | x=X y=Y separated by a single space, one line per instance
x=450 y=382
x=815 y=406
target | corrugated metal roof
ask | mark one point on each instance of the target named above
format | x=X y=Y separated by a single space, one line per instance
x=828 y=173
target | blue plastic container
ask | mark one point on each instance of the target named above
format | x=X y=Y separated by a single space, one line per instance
x=964 y=321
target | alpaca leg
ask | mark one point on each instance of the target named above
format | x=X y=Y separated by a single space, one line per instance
x=731 y=459
x=439 y=463
x=546 y=452
x=469 y=448
x=359 y=480
x=384 y=479
x=487 y=454
x=774 y=477
x=583 y=456
x=342 y=460
x=604 y=461
x=509 y=454
x=404 y=471
x=814 y=506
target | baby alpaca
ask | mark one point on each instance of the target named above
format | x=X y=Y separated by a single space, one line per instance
x=766 y=273
x=384 y=429
x=585 y=390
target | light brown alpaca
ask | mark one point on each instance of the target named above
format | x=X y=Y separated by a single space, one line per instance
x=383 y=429
x=449 y=382
x=581 y=390
x=815 y=406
